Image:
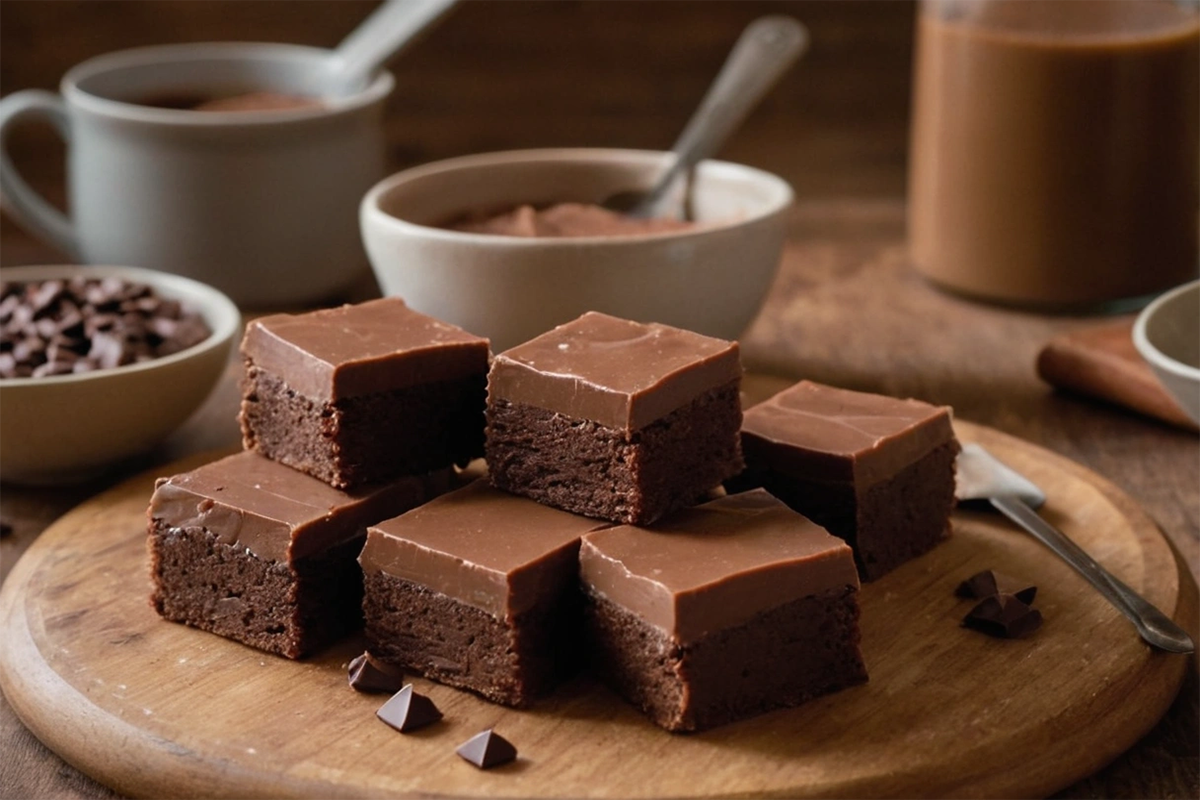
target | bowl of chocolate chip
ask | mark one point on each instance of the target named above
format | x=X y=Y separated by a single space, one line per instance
x=508 y=245
x=98 y=364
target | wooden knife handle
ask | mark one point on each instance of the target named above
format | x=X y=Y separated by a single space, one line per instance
x=1102 y=362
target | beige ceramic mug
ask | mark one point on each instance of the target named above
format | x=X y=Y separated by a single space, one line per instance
x=261 y=204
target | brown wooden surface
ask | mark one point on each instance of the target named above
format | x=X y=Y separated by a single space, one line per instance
x=845 y=310
x=948 y=712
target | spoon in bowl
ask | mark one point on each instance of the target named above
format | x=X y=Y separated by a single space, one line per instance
x=382 y=35
x=761 y=55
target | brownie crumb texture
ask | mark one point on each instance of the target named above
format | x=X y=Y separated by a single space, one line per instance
x=291 y=610
x=367 y=439
x=781 y=658
x=892 y=522
x=631 y=477
x=510 y=662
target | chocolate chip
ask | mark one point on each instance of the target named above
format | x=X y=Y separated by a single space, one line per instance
x=44 y=295
x=30 y=349
x=53 y=368
x=49 y=327
x=7 y=306
x=408 y=711
x=989 y=582
x=368 y=675
x=108 y=350
x=5 y=528
x=1004 y=616
x=487 y=749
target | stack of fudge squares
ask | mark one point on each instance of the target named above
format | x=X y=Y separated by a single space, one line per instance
x=631 y=519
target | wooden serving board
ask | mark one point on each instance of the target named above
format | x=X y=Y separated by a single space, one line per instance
x=153 y=708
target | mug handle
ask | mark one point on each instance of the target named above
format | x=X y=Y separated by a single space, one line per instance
x=26 y=206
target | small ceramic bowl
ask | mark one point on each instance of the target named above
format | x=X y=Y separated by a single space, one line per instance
x=711 y=279
x=1167 y=334
x=66 y=428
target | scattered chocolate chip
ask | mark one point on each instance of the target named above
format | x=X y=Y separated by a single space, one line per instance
x=487 y=749
x=368 y=675
x=60 y=327
x=44 y=295
x=989 y=582
x=5 y=528
x=407 y=710
x=1004 y=616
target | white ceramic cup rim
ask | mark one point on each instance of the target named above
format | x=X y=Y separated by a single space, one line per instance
x=73 y=91
x=219 y=312
x=782 y=195
x=1147 y=348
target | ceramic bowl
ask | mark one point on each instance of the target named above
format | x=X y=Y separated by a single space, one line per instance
x=67 y=428
x=1167 y=335
x=711 y=279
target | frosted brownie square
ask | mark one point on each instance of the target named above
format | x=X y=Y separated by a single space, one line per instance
x=875 y=470
x=477 y=589
x=724 y=611
x=254 y=551
x=613 y=419
x=363 y=393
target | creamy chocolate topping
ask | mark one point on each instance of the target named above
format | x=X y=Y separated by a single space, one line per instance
x=258 y=101
x=377 y=346
x=820 y=432
x=276 y=512
x=563 y=220
x=618 y=373
x=480 y=546
x=715 y=565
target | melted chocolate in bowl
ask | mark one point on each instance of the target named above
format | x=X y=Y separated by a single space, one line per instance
x=565 y=220
x=243 y=101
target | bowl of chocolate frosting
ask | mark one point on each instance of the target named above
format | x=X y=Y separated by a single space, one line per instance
x=508 y=245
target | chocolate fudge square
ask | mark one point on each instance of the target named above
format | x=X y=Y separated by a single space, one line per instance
x=252 y=550
x=363 y=393
x=613 y=419
x=477 y=589
x=874 y=470
x=724 y=611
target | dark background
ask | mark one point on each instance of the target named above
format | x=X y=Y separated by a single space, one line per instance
x=503 y=74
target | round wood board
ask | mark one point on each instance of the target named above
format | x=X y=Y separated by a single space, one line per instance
x=153 y=708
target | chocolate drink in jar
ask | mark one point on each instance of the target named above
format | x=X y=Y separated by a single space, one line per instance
x=1055 y=143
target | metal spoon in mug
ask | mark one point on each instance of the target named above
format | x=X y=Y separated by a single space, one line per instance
x=377 y=39
x=762 y=54
x=981 y=476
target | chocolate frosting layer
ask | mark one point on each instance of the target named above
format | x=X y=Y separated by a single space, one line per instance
x=819 y=432
x=276 y=512
x=618 y=373
x=715 y=565
x=377 y=346
x=481 y=546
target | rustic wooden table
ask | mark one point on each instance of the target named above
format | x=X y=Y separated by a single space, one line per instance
x=847 y=310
